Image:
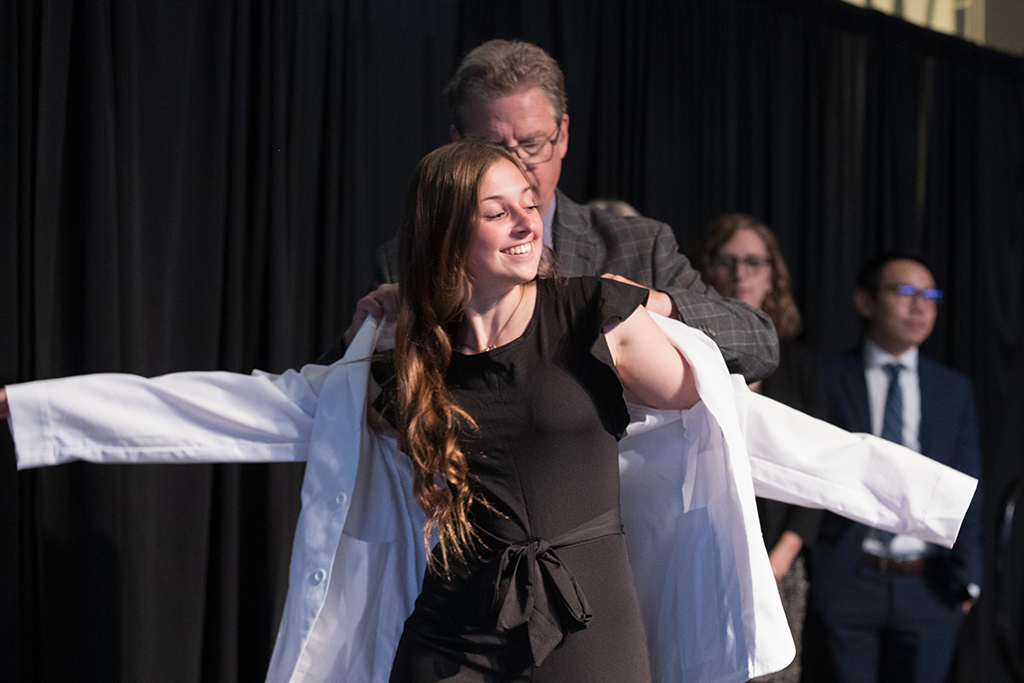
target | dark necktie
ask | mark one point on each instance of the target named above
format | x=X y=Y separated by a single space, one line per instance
x=892 y=422
x=892 y=427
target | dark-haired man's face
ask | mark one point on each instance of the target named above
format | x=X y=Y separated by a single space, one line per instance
x=524 y=118
x=898 y=322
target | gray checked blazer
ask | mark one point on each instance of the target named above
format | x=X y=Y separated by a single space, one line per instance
x=589 y=241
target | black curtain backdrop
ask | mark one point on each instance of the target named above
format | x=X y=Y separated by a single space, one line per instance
x=201 y=185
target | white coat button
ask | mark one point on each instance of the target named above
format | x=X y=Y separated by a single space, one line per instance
x=318 y=576
x=339 y=500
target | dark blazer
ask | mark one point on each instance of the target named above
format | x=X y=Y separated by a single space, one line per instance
x=589 y=241
x=949 y=434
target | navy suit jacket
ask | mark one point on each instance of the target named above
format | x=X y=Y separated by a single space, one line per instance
x=589 y=241
x=949 y=434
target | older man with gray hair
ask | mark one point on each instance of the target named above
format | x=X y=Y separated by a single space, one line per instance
x=512 y=93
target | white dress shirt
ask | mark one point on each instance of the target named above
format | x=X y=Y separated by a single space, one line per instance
x=875 y=360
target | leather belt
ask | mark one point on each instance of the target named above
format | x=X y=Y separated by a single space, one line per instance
x=888 y=566
x=534 y=587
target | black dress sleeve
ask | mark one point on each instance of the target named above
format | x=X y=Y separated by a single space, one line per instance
x=612 y=301
x=589 y=303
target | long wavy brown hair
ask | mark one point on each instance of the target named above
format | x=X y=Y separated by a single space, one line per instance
x=441 y=214
x=779 y=304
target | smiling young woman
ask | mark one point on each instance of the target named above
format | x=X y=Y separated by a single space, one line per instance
x=507 y=392
x=504 y=258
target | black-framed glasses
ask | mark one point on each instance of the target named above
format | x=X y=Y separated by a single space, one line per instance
x=537 y=152
x=752 y=263
x=903 y=289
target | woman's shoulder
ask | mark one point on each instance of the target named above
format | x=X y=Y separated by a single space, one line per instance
x=592 y=296
x=568 y=294
x=585 y=288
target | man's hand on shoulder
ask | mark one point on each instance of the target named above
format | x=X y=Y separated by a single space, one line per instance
x=657 y=302
x=380 y=303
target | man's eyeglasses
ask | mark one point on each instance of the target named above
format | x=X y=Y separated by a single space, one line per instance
x=537 y=152
x=730 y=263
x=903 y=289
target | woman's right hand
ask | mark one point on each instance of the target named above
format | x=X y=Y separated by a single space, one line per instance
x=5 y=410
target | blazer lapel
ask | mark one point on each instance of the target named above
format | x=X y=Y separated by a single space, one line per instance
x=574 y=240
x=855 y=388
x=929 y=397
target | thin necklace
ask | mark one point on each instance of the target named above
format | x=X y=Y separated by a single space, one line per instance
x=491 y=347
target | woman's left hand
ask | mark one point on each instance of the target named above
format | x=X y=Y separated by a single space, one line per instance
x=785 y=551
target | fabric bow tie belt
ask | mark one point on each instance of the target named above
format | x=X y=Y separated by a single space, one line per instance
x=535 y=587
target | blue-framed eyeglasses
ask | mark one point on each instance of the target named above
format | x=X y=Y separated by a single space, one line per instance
x=903 y=289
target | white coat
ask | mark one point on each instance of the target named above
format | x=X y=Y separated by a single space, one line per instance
x=688 y=479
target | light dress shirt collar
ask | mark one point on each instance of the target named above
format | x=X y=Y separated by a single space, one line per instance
x=876 y=356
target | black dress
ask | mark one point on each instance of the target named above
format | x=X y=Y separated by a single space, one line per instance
x=797 y=383
x=552 y=597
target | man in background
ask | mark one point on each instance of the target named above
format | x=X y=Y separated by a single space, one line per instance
x=513 y=94
x=884 y=607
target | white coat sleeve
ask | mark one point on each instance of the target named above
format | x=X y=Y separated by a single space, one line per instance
x=801 y=460
x=798 y=459
x=181 y=417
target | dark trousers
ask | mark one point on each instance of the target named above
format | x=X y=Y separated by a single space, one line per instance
x=880 y=628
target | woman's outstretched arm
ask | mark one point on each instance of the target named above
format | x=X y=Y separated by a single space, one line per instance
x=649 y=366
x=181 y=417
